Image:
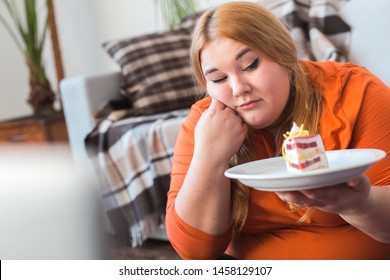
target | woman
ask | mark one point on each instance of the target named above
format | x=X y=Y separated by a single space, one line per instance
x=246 y=60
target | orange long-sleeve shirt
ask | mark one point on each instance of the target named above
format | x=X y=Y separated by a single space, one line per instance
x=356 y=114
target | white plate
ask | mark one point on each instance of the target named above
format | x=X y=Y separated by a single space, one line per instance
x=271 y=174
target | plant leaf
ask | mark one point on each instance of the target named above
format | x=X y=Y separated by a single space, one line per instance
x=175 y=10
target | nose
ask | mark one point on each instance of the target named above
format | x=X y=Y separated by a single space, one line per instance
x=239 y=86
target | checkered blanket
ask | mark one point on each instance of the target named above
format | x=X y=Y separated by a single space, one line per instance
x=316 y=27
x=133 y=157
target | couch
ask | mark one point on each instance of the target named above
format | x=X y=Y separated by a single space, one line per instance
x=84 y=96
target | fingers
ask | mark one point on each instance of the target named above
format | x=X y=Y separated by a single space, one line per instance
x=215 y=103
x=355 y=182
x=335 y=199
x=218 y=105
x=295 y=198
x=360 y=184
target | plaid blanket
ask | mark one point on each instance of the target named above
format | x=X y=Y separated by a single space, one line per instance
x=133 y=157
x=318 y=30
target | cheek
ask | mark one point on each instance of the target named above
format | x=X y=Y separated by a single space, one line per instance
x=280 y=89
x=219 y=92
x=280 y=92
x=279 y=101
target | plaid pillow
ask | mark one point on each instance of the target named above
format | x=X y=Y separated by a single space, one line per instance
x=156 y=70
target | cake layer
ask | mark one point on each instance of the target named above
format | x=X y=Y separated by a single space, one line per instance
x=305 y=153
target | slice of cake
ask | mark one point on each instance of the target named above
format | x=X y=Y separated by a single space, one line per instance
x=303 y=151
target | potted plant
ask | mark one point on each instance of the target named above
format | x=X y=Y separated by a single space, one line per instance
x=175 y=10
x=30 y=37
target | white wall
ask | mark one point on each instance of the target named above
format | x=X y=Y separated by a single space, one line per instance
x=13 y=79
x=82 y=27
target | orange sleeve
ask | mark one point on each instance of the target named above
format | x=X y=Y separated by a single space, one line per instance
x=189 y=242
x=372 y=126
x=356 y=111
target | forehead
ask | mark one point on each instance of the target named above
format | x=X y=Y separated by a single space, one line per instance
x=220 y=50
x=222 y=43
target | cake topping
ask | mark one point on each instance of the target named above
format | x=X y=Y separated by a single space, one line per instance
x=296 y=131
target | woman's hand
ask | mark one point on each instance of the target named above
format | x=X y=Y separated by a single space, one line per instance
x=344 y=199
x=219 y=132
x=363 y=206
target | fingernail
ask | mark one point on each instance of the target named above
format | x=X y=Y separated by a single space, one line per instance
x=352 y=182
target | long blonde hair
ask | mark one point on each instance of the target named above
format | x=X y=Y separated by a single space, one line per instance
x=256 y=27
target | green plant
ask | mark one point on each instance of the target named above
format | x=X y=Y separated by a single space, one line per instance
x=29 y=37
x=175 y=10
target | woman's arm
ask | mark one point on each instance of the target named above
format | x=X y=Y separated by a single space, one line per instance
x=373 y=215
x=198 y=203
x=204 y=201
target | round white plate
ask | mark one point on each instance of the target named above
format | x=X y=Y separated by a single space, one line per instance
x=271 y=174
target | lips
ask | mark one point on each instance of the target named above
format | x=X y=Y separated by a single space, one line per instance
x=247 y=104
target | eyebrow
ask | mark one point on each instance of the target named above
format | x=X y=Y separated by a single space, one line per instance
x=238 y=56
x=241 y=53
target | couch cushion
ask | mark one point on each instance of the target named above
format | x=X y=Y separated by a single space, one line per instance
x=156 y=69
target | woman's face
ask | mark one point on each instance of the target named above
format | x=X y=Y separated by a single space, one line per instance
x=246 y=81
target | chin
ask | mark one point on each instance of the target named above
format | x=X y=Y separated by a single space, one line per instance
x=257 y=124
x=254 y=122
x=254 y=125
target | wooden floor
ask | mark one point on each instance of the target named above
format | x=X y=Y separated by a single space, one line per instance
x=150 y=250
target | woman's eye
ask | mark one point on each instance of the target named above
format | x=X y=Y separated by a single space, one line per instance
x=253 y=65
x=219 y=80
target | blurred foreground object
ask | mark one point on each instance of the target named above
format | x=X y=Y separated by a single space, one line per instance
x=47 y=209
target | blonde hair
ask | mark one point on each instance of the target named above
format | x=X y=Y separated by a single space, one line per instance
x=257 y=28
